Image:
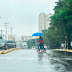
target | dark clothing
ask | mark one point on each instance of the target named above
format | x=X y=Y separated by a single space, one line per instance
x=40 y=40
x=40 y=46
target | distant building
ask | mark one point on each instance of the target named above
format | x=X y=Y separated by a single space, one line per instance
x=26 y=38
x=10 y=37
x=44 y=21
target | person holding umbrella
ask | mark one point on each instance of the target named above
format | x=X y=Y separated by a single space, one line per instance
x=40 y=41
x=40 y=44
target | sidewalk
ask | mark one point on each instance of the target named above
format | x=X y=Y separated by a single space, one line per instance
x=67 y=50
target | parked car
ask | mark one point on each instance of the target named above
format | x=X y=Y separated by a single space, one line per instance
x=1 y=37
x=18 y=44
x=24 y=45
x=2 y=44
x=63 y=45
x=33 y=47
x=10 y=44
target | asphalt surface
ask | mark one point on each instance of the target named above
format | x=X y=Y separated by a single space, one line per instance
x=27 y=60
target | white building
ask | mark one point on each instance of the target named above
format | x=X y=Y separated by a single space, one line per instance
x=10 y=37
x=26 y=38
x=44 y=21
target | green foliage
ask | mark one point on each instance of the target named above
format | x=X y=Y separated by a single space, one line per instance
x=31 y=42
x=61 y=24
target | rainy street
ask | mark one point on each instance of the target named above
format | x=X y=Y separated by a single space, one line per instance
x=28 y=60
x=35 y=35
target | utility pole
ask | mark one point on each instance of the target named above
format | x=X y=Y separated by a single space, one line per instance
x=11 y=30
x=30 y=36
x=6 y=30
x=1 y=32
x=0 y=25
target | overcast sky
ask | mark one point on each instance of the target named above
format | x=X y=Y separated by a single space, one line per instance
x=21 y=14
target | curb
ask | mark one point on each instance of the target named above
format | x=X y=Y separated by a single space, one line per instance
x=67 y=50
x=7 y=51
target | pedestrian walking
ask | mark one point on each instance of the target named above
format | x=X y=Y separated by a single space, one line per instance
x=40 y=44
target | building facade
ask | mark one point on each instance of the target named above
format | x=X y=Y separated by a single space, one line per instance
x=10 y=37
x=44 y=21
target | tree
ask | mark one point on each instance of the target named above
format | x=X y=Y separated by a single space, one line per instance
x=63 y=19
x=61 y=24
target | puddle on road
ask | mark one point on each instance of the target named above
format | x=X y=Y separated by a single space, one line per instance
x=31 y=61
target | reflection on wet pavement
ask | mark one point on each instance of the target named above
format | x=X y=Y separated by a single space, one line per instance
x=32 y=61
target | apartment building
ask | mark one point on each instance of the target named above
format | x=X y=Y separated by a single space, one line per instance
x=44 y=21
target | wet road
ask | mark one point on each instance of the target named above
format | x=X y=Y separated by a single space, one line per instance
x=32 y=61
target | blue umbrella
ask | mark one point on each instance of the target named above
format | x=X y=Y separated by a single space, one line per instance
x=38 y=34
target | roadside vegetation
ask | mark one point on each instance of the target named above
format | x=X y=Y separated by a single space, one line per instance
x=60 y=30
